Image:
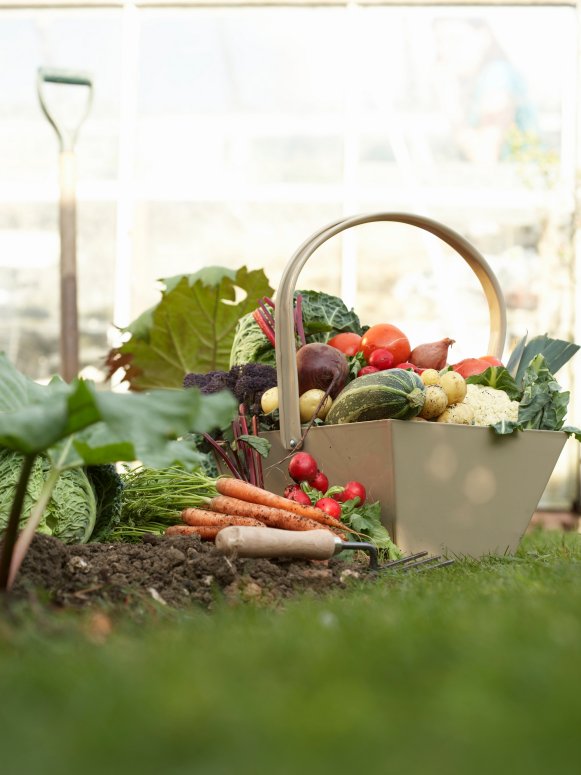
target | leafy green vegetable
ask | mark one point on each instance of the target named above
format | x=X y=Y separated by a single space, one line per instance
x=323 y=317
x=70 y=513
x=107 y=485
x=250 y=345
x=366 y=520
x=555 y=351
x=262 y=446
x=499 y=378
x=191 y=329
x=543 y=405
x=77 y=425
x=356 y=363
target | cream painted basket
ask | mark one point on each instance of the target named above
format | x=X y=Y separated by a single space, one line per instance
x=460 y=490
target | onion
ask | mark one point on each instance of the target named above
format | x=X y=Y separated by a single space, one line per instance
x=321 y=367
x=432 y=355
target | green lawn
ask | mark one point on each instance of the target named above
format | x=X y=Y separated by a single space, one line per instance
x=471 y=669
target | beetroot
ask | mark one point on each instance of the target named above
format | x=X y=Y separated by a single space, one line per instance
x=322 y=367
x=432 y=355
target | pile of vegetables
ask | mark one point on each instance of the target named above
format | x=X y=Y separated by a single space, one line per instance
x=62 y=446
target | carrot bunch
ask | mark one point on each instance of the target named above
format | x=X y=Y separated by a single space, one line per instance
x=240 y=503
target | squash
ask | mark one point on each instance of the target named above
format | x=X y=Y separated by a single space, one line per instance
x=395 y=394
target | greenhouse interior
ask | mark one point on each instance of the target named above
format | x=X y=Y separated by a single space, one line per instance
x=225 y=133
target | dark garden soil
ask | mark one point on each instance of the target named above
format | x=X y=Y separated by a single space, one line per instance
x=176 y=571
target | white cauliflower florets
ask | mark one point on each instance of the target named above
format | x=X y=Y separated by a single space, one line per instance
x=490 y=405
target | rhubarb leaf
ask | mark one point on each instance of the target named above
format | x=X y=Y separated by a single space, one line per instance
x=192 y=327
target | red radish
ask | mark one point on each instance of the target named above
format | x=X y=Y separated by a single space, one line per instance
x=409 y=367
x=294 y=493
x=320 y=482
x=367 y=370
x=330 y=507
x=382 y=359
x=355 y=490
x=303 y=467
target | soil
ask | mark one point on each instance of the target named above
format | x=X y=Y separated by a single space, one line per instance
x=176 y=571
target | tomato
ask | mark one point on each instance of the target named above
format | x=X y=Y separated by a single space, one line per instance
x=491 y=360
x=330 y=507
x=347 y=343
x=388 y=337
x=367 y=370
x=471 y=366
x=382 y=359
x=320 y=482
x=303 y=467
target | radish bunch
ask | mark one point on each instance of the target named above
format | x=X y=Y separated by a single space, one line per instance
x=303 y=468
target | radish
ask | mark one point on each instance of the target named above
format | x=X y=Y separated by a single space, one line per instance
x=381 y=358
x=320 y=482
x=350 y=491
x=303 y=467
x=367 y=370
x=294 y=493
x=330 y=507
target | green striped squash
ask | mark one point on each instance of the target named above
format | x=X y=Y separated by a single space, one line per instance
x=395 y=394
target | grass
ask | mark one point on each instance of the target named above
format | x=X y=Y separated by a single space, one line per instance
x=472 y=669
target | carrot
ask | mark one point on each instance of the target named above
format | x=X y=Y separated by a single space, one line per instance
x=236 y=488
x=205 y=532
x=280 y=518
x=199 y=517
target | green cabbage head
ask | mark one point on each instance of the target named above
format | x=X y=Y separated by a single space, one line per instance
x=71 y=512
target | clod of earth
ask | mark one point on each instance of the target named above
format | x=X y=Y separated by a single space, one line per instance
x=181 y=570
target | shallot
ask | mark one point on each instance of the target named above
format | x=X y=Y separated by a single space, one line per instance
x=432 y=355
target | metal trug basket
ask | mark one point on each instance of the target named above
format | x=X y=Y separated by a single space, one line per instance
x=451 y=489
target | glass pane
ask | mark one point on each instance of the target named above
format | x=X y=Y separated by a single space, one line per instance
x=29 y=184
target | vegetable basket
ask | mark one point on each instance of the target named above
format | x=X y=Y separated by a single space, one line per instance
x=452 y=489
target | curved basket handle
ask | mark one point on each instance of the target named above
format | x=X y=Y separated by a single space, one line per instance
x=286 y=364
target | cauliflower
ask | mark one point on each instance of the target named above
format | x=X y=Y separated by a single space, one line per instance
x=490 y=405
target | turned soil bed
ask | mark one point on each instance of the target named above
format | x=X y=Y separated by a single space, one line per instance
x=176 y=571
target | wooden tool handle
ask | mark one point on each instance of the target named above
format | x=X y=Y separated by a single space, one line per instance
x=271 y=542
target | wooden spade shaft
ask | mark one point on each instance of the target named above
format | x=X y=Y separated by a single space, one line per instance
x=69 y=344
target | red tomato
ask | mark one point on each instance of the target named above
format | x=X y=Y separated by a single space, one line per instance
x=388 y=337
x=491 y=360
x=330 y=507
x=382 y=359
x=471 y=366
x=367 y=370
x=348 y=343
x=320 y=482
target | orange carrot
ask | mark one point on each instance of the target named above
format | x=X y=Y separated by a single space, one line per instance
x=199 y=517
x=280 y=518
x=205 y=532
x=236 y=488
